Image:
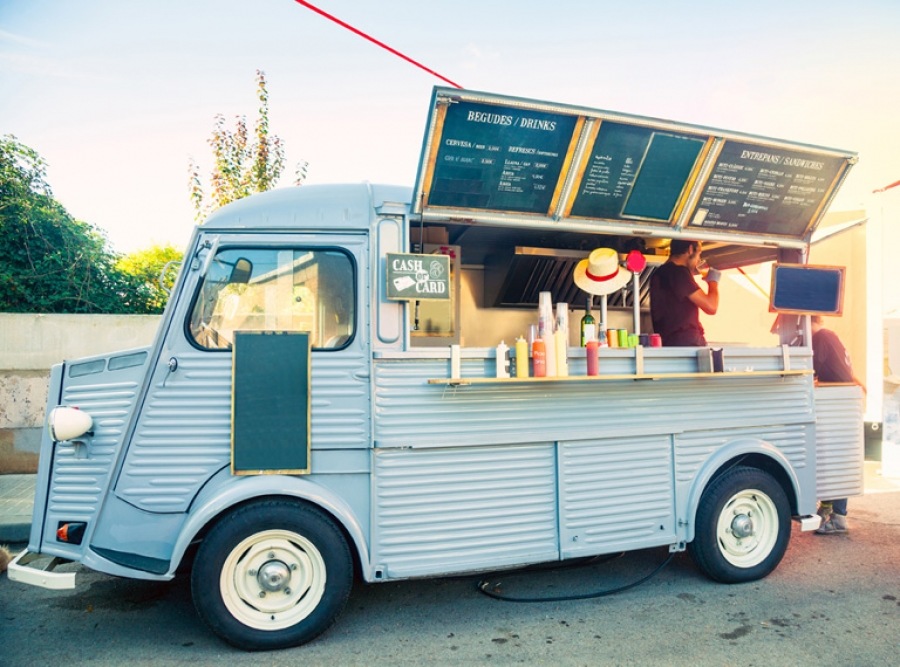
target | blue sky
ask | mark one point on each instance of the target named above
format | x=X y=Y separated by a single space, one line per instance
x=117 y=95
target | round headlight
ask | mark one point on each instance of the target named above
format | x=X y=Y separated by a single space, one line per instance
x=68 y=423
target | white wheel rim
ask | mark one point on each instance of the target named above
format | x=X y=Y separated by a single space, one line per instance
x=273 y=580
x=747 y=528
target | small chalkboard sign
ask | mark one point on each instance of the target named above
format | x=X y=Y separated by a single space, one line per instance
x=802 y=288
x=419 y=277
x=270 y=405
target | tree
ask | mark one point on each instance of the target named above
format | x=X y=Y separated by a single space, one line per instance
x=49 y=262
x=52 y=263
x=241 y=166
x=151 y=275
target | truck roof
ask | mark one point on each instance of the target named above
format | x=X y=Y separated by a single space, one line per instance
x=344 y=206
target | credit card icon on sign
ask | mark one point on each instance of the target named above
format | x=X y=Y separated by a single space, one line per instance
x=403 y=282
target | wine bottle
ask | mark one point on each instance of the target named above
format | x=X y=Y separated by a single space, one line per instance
x=588 y=323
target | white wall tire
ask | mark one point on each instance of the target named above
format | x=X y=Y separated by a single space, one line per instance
x=742 y=526
x=271 y=575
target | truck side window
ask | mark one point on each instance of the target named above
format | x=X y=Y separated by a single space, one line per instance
x=276 y=290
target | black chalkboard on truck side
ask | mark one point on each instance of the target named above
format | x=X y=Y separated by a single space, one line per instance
x=806 y=289
x=270 y=404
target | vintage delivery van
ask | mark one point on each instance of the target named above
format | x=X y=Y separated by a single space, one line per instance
x=322 y=400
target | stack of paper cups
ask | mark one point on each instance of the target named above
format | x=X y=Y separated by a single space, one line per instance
x=545 y=316
x=562 y=319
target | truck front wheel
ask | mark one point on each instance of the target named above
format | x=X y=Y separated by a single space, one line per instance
x=272 y=574
x=742 y=526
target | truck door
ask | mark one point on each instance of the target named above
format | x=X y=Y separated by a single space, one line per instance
x=290 y=282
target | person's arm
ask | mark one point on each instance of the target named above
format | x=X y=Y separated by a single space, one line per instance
x=707 y=301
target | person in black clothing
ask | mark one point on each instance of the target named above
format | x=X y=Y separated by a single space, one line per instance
x=831 y=363
x=676 y=299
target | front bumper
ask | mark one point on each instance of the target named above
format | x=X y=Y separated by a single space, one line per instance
x=22 y=570
x=809 y=522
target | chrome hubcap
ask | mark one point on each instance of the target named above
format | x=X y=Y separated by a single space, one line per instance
x=742 y=526
x=273 y=576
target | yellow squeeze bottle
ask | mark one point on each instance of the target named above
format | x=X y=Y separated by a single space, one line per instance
x=560 y=348
x=521 y=358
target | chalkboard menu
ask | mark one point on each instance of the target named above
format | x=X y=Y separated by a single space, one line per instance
x=500 y=158
x=487 y=158
x=270 y=403
x=635 y=172
x=798 y=288
x=763 y=190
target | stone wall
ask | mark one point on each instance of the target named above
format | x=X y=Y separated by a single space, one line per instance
x=29 y=346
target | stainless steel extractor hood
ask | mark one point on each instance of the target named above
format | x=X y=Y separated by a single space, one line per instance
x=515 y=278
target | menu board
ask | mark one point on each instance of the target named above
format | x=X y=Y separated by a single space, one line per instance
x=764 y=190
x=487 y=157
x=635 y=172
x=499 y=158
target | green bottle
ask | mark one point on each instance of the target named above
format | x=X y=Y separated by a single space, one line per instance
x=588 y=324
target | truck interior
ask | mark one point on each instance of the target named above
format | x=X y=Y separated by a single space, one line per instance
x=518 y=191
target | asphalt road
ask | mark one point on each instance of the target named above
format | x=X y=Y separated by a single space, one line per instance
x=834 y=600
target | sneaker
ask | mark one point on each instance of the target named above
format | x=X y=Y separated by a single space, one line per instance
x=836 y=525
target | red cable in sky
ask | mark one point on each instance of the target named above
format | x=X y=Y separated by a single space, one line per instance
x=887 y=187
x=374 y=41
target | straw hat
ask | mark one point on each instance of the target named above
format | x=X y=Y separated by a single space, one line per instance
x=600 y=273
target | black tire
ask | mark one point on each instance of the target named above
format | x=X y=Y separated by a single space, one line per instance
x=742 y=526
x=272 y=574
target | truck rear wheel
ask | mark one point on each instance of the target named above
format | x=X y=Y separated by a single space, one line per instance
x=272 y=574
x=742 y=526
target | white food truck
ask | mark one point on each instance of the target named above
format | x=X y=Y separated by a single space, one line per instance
x=322 y=400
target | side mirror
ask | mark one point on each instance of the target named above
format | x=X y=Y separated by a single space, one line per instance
x=241 y=272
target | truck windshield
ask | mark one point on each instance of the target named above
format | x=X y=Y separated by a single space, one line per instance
x=251 y=289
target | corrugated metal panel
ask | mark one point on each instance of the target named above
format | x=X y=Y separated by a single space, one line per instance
x=692 y=449
x=616 y=494
x=451 y=510
x=80 y=472
x=840 y=442
x=184 y=433
x=410 y=412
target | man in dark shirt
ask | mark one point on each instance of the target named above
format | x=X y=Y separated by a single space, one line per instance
x=676 y=299
x=831 y=363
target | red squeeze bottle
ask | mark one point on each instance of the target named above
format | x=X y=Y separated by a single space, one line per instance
x=539 y=358
x=593 y=361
